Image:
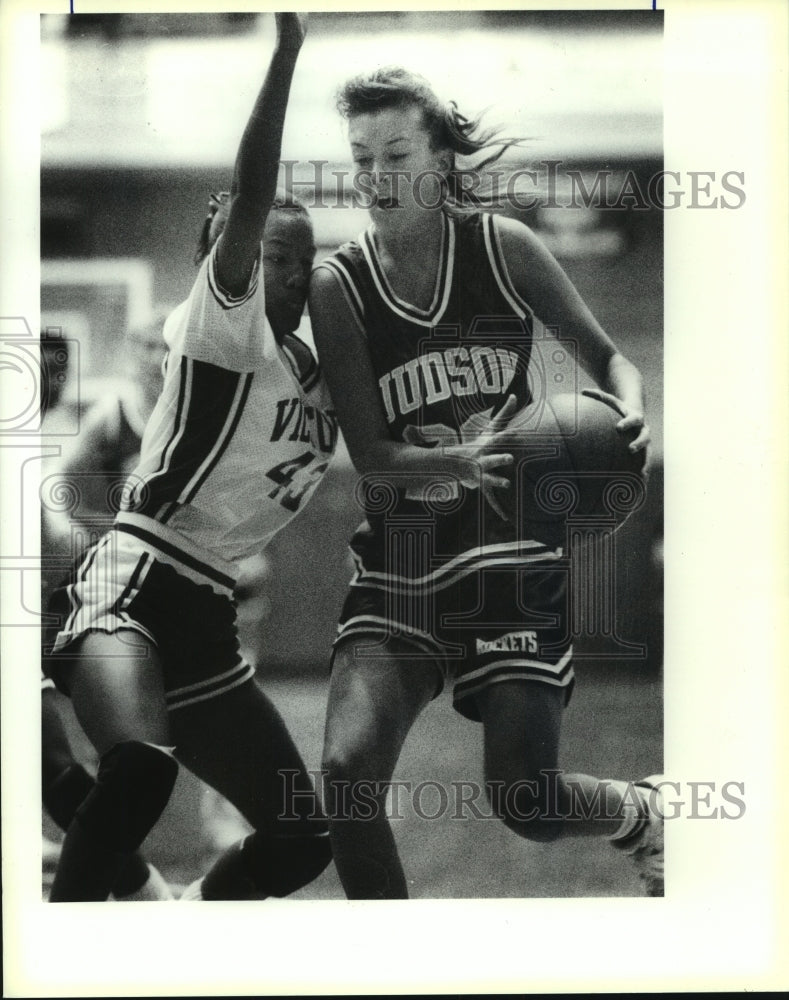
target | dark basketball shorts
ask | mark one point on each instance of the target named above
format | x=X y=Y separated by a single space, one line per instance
x=496 y=623
x=180 y=603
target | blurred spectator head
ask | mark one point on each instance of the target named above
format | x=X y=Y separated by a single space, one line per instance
x=54 y=355
x=145 y=350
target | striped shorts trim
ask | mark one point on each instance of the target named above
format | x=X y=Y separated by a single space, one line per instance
x=121 y=584
x=167 y=546
x=560 y=674
x=501 y=556
x=210 y=688
x=502 y=623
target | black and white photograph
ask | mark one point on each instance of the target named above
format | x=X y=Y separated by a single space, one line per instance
x=383 y=390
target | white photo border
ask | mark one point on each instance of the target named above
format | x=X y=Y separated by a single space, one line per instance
x=726 y=467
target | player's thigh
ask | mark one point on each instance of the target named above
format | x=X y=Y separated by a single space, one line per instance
x=239 y=744
x=378 y=688
x=116 y=688
x=522 y=723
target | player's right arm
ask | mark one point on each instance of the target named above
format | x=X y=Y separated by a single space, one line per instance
x=257 y=162
x=342 y=348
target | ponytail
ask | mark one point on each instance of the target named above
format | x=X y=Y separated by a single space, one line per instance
x=218 y=204
x=465 y=136
x=218 y=209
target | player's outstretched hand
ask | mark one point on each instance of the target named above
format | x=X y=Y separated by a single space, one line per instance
x=482 y=472
x=632 y=419
x=490 y=481
x=291 y=30
x=486 y=455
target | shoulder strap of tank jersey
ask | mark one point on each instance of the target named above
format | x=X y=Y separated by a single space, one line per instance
x=302 y=361
x=499 y=267
x=342 y=267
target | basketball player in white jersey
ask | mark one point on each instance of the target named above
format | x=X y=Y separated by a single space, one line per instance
x=148 y=649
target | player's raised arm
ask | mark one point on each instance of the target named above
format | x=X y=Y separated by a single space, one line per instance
x=540 y=280
x=257 y=162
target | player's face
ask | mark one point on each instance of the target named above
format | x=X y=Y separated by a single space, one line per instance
x=288 y=255
x=393 y=153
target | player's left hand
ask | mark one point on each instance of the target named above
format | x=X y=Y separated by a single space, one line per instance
x=632 y=418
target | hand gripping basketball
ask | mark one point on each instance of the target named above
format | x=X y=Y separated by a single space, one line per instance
x=632 y=420
x=575 y=456
x=483 y=454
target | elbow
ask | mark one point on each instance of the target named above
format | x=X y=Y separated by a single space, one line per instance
x=618 y=363
x=365 y=464
x=371 y=460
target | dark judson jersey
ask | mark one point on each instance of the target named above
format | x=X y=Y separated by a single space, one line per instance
x=442 y=371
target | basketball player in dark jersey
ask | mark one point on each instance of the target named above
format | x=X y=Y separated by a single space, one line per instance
x=424 y=327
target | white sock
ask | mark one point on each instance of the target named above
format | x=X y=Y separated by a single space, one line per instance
x=634 y=816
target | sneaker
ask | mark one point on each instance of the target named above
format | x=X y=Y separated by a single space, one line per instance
x=193 y=893
x=154 y=889
x=647 y=848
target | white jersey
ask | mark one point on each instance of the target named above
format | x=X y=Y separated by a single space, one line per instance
x=242 y=432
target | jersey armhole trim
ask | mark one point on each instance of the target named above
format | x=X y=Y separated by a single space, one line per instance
x=224 y=298
x=349 y=289
x=308 y=375
x=499 y=267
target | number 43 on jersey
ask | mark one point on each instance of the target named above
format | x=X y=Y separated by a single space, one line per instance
x=295 y=479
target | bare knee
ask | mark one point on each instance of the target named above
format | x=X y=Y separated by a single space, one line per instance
x=343 y=759
x=350 y=770
x=372 y=705
x=529 y=805
x=522 y=723
x=357 y=767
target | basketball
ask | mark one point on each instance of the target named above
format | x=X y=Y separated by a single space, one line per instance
x=572 y=463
